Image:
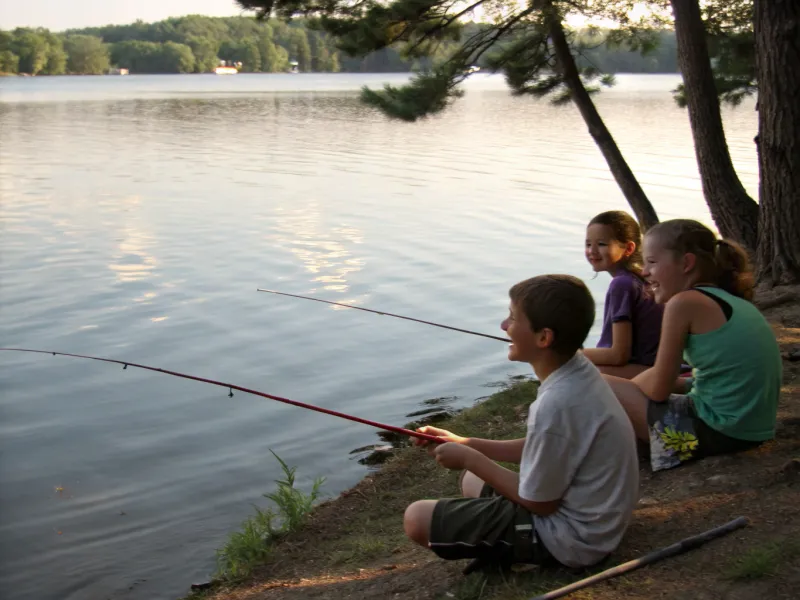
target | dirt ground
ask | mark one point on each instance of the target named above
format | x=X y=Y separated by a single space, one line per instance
x=354 y=547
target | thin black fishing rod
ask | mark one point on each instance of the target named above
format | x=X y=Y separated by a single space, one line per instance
x=388 y=314
x=125 y=364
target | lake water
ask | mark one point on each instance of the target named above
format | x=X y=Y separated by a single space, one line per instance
x=139 y=215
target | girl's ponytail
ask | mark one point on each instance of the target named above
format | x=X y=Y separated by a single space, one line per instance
x=733 y=269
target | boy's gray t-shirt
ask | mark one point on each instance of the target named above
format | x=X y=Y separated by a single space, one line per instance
x=580 y=448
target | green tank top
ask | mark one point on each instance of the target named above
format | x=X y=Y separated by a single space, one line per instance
x=737 y=372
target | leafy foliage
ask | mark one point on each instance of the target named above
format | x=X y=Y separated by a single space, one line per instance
x=731 y=45
x=733 y=63
x=252 y=545
x=512 y=38
x=428 y=93
x=56 y=56
x=87 y=55
x=293 y=505
x=180 y=45
x=304 y=40
x=31 y=48
x=9 y=62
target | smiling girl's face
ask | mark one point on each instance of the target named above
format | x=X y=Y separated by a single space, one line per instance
x=604 y=252
x=667 y=274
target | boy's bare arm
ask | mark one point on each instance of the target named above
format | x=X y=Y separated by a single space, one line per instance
x=505 y=483
x=501 y=450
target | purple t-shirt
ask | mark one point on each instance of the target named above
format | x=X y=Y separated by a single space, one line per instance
x=626 y=300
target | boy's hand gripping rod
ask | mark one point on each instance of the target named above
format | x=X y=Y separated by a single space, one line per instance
x=231 y=387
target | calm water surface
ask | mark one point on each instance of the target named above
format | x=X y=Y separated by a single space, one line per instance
x=139 y=215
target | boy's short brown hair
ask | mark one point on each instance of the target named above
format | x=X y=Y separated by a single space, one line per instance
x=561 y=303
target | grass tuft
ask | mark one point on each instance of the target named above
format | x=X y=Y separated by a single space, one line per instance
x=762 y=561
x=253 y=543
x=510 y=585
x=358 y=549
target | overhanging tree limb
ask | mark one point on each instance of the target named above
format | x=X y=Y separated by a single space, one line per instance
x=544 y=67
x=431 y=92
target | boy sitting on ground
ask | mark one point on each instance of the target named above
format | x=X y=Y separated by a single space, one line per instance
x=578 y=483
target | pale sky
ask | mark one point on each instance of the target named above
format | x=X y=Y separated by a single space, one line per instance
x=58 y=15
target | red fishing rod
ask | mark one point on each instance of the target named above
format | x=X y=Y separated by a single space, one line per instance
x=125 y=364
x=388 y=314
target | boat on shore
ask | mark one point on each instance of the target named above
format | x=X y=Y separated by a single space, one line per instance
x=227 y=68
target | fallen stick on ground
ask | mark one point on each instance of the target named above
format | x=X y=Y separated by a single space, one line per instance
x=674 y=549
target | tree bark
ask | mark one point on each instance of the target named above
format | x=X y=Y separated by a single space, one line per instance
x=733 y=210
x=777 y=35
x=626 y=180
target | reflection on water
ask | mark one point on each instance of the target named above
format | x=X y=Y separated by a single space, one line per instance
x=132 y=263
x=140 y=214
x=326 y=252
x=146 y=297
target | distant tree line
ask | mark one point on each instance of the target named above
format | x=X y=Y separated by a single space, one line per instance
x=197 y=44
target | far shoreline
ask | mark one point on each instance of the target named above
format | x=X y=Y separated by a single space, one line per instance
x=64 y=75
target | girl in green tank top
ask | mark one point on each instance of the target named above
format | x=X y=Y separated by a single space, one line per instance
x=706 y=286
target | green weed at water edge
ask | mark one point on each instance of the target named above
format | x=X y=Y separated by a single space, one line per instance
x=253 y=543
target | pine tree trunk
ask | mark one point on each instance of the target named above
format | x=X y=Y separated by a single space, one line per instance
x=733 y=210
x=634 y=194
x=777 y=33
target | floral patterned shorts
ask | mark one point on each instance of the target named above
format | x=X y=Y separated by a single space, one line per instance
x=678 y=435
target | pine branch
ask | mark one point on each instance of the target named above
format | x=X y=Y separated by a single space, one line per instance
x=446 y=23
x=431 y=92
x=419 y=28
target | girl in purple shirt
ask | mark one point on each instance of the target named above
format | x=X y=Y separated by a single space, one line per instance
x=631 y=318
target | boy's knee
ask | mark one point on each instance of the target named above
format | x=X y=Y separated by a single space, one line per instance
x=417 y=521
x=471 y=485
